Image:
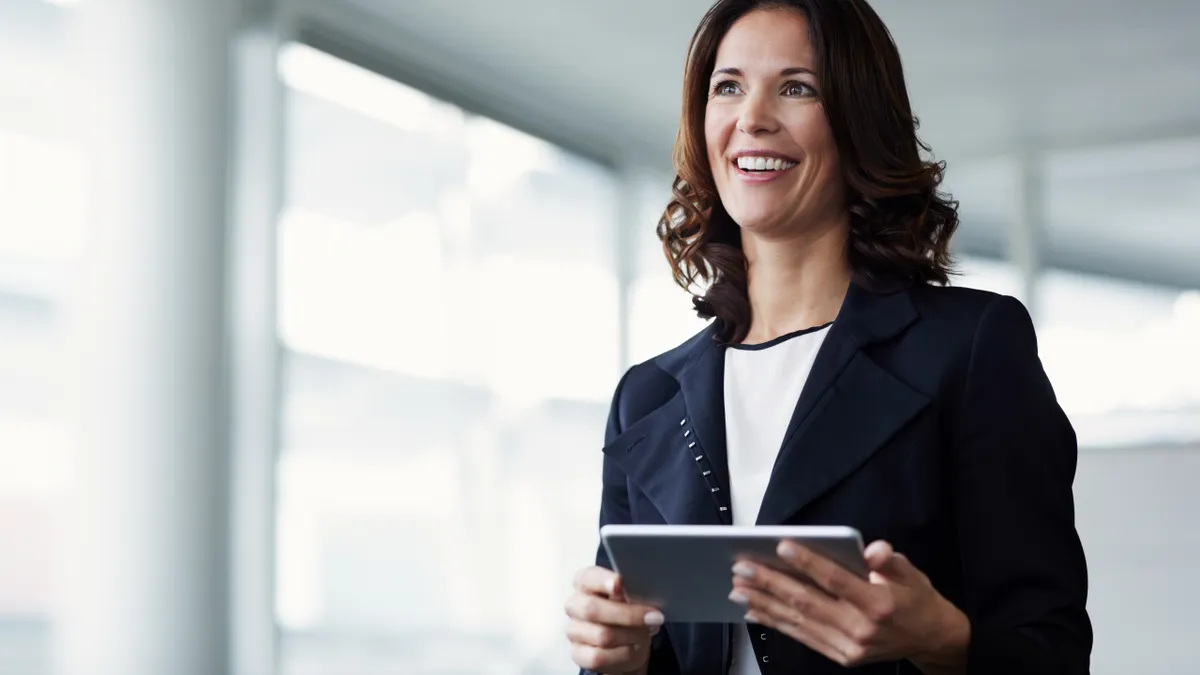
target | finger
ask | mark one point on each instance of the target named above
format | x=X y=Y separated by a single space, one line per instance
x=804 y=633
x=606 y=637
x=804 y=607
x=877 y=554
x=787 y=589
x=598 y=581
x=601 y=660
x=826 y=574
x=890 y=564
x=597 y=609
x=616 y=590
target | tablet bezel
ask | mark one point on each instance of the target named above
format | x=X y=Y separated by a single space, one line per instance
x=696 y=591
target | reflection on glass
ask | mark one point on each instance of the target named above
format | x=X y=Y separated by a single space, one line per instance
x=42 y=193
x=448 y=303
x=1112 y=346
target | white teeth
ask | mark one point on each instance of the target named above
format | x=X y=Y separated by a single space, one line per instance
x=747 y=163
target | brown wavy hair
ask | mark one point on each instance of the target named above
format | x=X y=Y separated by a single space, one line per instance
x=900 y=224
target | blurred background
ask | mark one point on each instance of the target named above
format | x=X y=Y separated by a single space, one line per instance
x=292 y=296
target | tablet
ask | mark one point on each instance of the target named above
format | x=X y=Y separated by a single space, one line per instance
x=686 y=570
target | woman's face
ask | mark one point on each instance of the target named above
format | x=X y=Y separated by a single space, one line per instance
x=770 y=147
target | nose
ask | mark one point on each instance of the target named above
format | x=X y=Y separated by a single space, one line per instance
x=757 y=116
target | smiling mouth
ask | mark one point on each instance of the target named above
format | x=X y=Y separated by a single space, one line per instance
x=762 y=165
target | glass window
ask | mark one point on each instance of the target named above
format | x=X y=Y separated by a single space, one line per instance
x=42 y=189
x=661 y=313
x=1113 y=346
x=448 y=305
x=1123 y=354
x=987 y=274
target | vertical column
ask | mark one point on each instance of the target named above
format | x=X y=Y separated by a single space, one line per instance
x=257 y=198
x=145 y=565
x=1027 y=236
x=628 y=214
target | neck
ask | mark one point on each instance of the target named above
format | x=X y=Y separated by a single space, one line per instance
x=795 y=283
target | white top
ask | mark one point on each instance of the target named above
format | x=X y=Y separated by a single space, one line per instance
x=762 y=385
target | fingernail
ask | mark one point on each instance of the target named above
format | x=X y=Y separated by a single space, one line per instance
x=610 y=586
x=750 y=617
x=654 y=618
x=737 y=597
x=743 y=570
x=787 y=549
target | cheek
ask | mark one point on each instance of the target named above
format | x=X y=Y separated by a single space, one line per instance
x=812 y=133
x=805 y=123
x=716 y=134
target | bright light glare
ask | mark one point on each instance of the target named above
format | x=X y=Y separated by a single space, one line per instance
x=42 y=198
x=363 y=294
x=501 y=156
x=34 y=459
x=318 y=490
x=329 y=78
x=1146 y=363
x=532 y=313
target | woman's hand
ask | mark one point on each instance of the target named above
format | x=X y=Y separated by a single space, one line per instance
x=896 y=614
x=608 y=635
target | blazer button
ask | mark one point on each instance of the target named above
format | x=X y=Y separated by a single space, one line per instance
x=762 y=636
x=766 y=659
x=687 y=433
x=683 y=421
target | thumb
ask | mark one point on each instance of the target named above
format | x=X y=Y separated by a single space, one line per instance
x=616 y=589
x=616 y=593
x=885 y=564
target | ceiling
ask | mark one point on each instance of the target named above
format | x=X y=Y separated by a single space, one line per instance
x=1107 y=91
x=985 y=76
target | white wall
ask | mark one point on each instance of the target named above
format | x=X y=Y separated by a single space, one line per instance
x=1136 y=513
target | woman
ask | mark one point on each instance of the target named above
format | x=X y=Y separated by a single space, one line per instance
x=840 y=382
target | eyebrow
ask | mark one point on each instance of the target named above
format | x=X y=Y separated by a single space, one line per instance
x=736 y=72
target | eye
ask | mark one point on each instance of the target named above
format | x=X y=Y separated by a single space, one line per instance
x=725 y=88
x=798 y=89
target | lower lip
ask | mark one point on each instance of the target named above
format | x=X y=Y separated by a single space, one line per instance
x=760 y=176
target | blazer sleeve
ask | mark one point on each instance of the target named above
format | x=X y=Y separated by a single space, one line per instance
x=614 y=509
x=1024 y=572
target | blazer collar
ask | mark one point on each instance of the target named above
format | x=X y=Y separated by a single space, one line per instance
x=865 y=317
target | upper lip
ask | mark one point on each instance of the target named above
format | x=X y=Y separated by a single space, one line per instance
x=763 y=153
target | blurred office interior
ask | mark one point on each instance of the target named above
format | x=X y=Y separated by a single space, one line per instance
x=292 y=293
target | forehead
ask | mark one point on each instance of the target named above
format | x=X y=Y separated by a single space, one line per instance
x=766 y=38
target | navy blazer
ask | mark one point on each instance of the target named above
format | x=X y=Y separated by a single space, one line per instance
x=927 y=420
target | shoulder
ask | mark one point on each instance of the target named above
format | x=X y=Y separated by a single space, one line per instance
x=954 y=328
x=966 y=305
x=970 y=339
x=967 y=314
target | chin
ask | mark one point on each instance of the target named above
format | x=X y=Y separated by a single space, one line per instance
x=755 y=220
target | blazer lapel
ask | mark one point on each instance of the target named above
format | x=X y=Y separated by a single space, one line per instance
x=848 y=407
x=676 y=454
x=703 y=388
